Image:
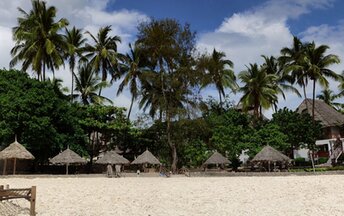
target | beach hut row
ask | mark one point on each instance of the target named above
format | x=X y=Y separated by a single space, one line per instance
x=68 y=157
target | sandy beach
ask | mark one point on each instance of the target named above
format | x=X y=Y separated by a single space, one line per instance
x=291 y=195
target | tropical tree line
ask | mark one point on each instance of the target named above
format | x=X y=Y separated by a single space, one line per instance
x=163 y=71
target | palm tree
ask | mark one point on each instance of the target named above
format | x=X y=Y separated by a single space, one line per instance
x=291 y=64
x=133 y=72
x=74 y=40
x=316 y=65
x=272 y=66
x=328 y=96
x=38 y=42
x=87 y=83
x=260 y=89
x=218 y=71
x=103 y=54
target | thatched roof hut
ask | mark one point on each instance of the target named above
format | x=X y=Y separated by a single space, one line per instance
x=146 y=158
x=216 y=158
x=15 y=151
x=111 y=157
x=270 y=154
x=323 y=112
x=67 y=157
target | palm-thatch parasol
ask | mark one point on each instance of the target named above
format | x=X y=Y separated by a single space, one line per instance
x=269 y=154
x=217 y=158
x=146 y=158
x=67 y=157
x=111 y=157
x=15 y=151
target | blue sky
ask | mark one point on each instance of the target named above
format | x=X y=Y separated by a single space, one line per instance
x=243 y=29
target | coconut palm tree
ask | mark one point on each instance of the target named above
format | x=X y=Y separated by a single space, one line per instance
x=218 y=71
x=316 y=64
x=133 y=72
x=38 y=41
x=328 y=96
x=87 y=83
x=75 y=40
x=259 y=90
x=272 y=66
x=291 y=62
x=103 y=54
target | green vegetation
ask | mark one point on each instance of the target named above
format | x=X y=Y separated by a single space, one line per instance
x=165 y=75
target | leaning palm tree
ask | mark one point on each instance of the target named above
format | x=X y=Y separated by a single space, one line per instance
x=218 y=71
x=259 y=90
x=316 y=64
x=133 y=72
x=75 y=41
x=87 y=84
x=103 y=54
x=38 y=41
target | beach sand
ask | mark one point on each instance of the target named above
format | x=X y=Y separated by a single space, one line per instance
x=290 y=195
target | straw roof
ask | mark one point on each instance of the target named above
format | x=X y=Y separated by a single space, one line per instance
x=111 y=157
x=217 y=158
x=16 y=150
x=146 y=158
x=67 y=157
x=270 y=154
x=323 y=112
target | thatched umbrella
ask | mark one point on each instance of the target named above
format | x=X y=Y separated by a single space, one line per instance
x=217 y=158
x=111 y=157
x=146 y=158
x=15 y=151
x=269 y=154
x=67 y=157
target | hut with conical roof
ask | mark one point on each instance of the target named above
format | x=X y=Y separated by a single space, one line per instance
x=216 y=159
x=268 y=154
x=67 y=157
x=145 y=159
x=111 y=157
x=15 y=151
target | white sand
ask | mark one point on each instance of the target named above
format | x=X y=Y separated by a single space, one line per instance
x=292 y=195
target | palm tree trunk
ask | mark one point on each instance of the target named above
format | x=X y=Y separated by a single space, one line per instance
x=313 y=104
x=43 y=70
x=220 y=96
x=172 y=145
x=304 y=94
x=72 y=90
x=131 y=106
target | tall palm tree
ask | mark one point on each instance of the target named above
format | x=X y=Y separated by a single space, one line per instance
x=272 y=66
x=103 y=54
x=316 y=64
x=133 y=72
x=87 y=83
x=328 y=96
x=218 y=71
x=75 y=40
x=38 y=41
x=259 y=90
x=291 y=62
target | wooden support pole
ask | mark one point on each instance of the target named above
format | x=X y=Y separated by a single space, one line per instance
x=1 y=188
x=33 y=201
x=14 y=166
x=67 y=168
x=4 y=170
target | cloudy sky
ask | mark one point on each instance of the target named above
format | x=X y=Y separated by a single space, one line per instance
x=244 y=30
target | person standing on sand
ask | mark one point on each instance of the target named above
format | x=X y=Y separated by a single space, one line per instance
x=109 y=171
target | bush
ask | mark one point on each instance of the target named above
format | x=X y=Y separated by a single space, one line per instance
x=301 y=162
x=322 y=160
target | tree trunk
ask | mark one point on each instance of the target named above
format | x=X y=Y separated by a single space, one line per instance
x=220 y=96
x=43 y=70
x=72 y=91
x=313 y=104
x=172 y=145
x=305 y=95
x=131 y=106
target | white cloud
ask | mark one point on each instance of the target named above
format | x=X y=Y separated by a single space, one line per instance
x=245 y=36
